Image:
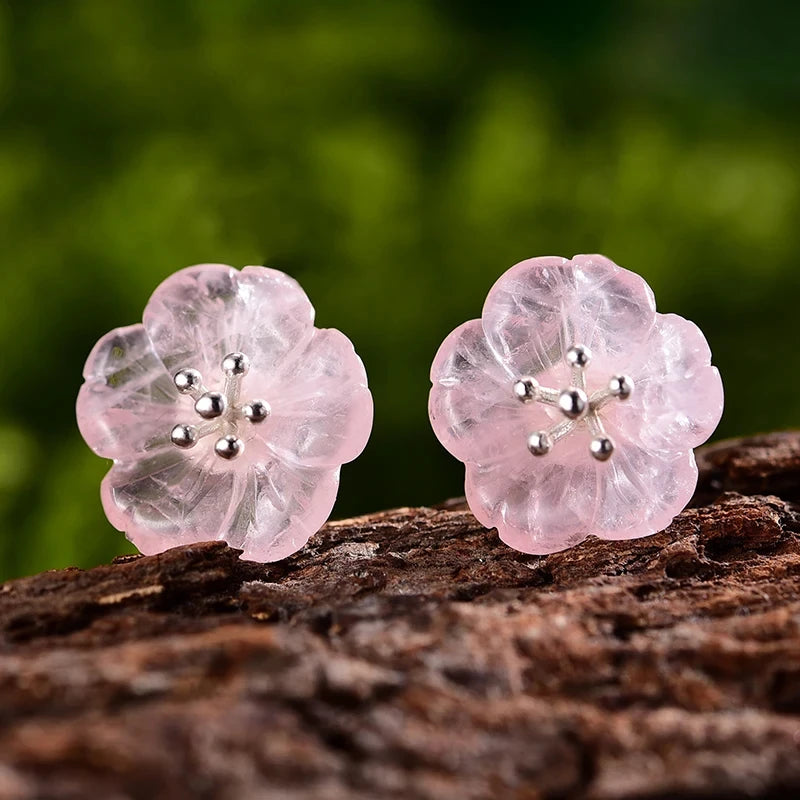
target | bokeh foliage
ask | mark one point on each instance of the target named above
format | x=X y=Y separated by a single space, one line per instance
x=396 y=158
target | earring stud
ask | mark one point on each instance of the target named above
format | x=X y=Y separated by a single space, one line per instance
x=574 y=405
x=227 y=413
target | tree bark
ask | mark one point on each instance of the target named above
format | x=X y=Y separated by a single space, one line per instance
x=411 y=654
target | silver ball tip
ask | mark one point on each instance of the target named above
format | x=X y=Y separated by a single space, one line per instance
x=235 y=364
x=187 y=380
x=229 y=447
x=602 y=448
x=621 y=386
x=540 y=443
x=525 y=389
x=211 y=405
x=183 y=436
x=579 y=356
x=256 y=410
x=573 y=403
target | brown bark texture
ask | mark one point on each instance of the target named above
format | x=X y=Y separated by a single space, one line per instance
x=410 y=654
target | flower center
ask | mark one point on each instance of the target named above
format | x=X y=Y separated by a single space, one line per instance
x=578 y=408
x=220 y=413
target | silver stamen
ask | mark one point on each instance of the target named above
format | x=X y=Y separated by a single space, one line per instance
x=579 y=408
x=221 y=411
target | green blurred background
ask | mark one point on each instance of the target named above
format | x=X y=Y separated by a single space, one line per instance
x=395 y=157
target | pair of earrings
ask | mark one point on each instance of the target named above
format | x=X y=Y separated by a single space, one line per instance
x=573 y=404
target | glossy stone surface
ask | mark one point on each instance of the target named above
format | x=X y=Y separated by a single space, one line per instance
x=533 y=315
x=281 y=489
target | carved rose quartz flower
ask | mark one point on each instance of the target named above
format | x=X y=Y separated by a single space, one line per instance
x=227 y=413
x=574 y=405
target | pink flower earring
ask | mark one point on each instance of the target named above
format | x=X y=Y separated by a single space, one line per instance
x=574 y=405
x=227 y=413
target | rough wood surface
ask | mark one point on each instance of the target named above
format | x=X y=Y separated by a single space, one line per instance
x=410 y=654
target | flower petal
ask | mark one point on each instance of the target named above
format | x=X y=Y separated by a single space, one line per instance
x=643 y=491
x=127 y=404
x=171 y=498
x=545 y=506
x=202 y=313
x=260 y=504
x=321 y=406
x=678 y=398
x=536 y=507
x=281 y=507
x=472 y=408
x=541 y=307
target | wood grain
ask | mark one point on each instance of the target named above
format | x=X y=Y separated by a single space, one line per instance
x=410 y=654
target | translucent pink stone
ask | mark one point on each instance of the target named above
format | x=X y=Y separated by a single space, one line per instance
x=128 y=399
x=281 y=490
x=202 y=313
x=321 y=407
x=534 y=313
